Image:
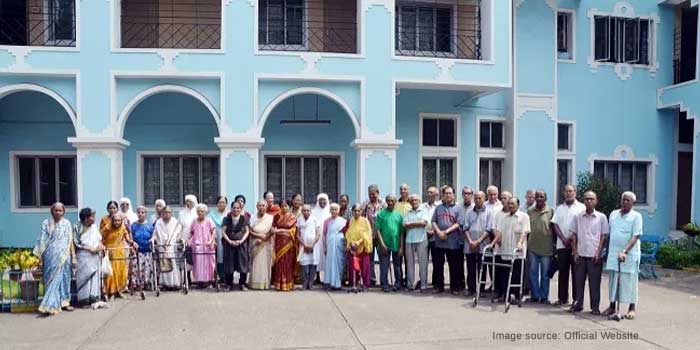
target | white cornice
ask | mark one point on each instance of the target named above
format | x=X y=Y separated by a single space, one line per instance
x=378 y=144
x=99 y=143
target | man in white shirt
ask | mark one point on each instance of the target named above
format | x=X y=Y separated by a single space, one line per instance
x=563 y=217
x=493 y=204
x=511 y=233
x=428 y=208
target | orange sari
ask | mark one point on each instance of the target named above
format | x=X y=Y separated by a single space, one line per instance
x=114 y=241
x=285 y=252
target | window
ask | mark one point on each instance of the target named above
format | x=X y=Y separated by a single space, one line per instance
x=563 y=177
x=564 y=137
x=437 y=172
x=685 y=128
x=490 y=171
x=37 y=23
x=622 y=40
x=439 y=132
x=565 y=35
x=309 y=175
x=173 y=177
x=281 y=23
x=424 y=28
x=491 y=134
x=627 y=175
x=44 y=180
x=62 y=22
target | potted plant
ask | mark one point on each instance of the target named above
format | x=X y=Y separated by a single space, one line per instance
x=691 y=229
x=28 y=285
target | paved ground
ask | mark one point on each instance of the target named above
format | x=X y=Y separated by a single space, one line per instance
x=667 y=319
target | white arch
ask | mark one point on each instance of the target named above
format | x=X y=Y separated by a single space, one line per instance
x=11 y=89
x=308 y=90
x=129 y=107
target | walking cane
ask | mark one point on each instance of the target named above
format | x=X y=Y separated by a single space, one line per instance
x=617 y=316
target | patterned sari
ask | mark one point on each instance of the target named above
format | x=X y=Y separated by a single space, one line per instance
x=54 y=248
x=285 y=252
x=261 y=253
x=88 y=274
x=114 y=241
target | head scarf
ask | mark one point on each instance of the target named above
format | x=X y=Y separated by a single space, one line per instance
x=155 y=216
x=321 y=214
x=186 y=216
x=129 y=214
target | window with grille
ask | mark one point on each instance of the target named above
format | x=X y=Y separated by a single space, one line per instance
x=626 y=175
x=172 y=177
x=437 y=172
x=564 y=137
x=44 y=180
x=491 y=134
x=563 y=177
x=281 y=23
x=308 y=175
x=622 y=40
x=565 y=38
x=38 y=23
x=490 y=173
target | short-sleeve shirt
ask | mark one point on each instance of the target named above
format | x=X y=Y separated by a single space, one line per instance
x=589 y=230
x=446 y=216
x=416 y=234
x=564 y=216
x=463 y=211
x=429 y=210
x=370 y=211
x=512 y=226
x=389 y=224
x=142 y=234
x=622 y=228
x=540 y=239
x=476 y=222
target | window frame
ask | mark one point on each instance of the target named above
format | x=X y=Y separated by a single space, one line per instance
x=140 y=155
x=15 y=177
x=439 y=151
x=438 y=159
x=570 y=35
x=619 y=164
x=491 y=150
x=302 y=154
x=572 y=138
x=283 y=47
x=490 y=158
x=445 y=4
x=50 y=16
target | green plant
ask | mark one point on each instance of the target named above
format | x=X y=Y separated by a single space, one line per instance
x=608 y=193
x=675 y=256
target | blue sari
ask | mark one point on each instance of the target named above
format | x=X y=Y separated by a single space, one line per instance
x=54 y=248
x=335 y=252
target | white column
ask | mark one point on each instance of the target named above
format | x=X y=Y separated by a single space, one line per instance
x=376 y=164
x=240 y=167
x=100 y=174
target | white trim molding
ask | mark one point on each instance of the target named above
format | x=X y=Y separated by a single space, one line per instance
x=535 y=102
x=10 y=89
x=14 y=186
x=624 y=153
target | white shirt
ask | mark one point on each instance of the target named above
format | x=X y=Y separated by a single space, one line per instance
x=564 y=216
x=428 y=211
x=494 y=208
x=307 y=235
x=511 y=228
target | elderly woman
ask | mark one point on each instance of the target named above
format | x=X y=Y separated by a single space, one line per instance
x=203 y=242
x=345 y=211
x=334 y=248
x=127 y=211
x=117 y=241
x=142 y=234
x=112 y=209
x=217 y=216
x=309 y=235
x=260 y=247
x=88 y=245
x=187 y=215
x=297 y=203
x=167 y=233
x=624 y=256
x=159 y=205
x=235 y=235
x=284 y=230
x=358 y=238
x=55 y=249
x=272 y=208
x=321 y=212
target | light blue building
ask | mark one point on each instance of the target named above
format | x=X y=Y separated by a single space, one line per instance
x=159 y=98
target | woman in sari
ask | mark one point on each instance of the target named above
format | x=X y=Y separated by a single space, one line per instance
x=260 y=248
x=321 y=212
x=88 y=245
x=167 y=233
x=142 y=233
x=187 y=215
x=334 y=249
x=235 y=228
x=285 y=231
x=159 y=205
x=272 y=208
x=117 y=242
x=112 y=209
x=203 y=243
x=217 y=216
x=55 y=250
x=297 y=203
x=127 y=212
x=358 y=239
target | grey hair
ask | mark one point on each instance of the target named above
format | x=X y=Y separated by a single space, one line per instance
x=373 y=188
x=202 y=206
x=413 y=195
x=530 y=191
x=492 y=188
x=630 y=195
x=334 y=205
x=390 y=196
x=306 y=206
x=141 y=207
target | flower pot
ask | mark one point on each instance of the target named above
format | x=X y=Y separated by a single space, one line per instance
x=29 y=290
x=37 y=274
x=691 y=233
x=15 y=275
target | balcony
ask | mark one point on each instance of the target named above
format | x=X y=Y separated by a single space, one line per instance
x=439 y=28
x=37 y=23
x=171 y=24
x=685 y=43
x=308 y=25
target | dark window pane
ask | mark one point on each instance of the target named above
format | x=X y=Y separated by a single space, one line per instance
x=330 y=178
x=210 y=180
x=447 y=133
x=446 y=172
x=644 y=42
x=485 y=134
x=631 y=42
x=430 y=132
x=274 y=176
x=275 y=22
x=151 y=179
x=311 y=179
x=408 y=28
x=612 y=173
x=599 y=169
x=171 y=181
x=602 y=28
x=429 y=176
x=496 y=170
x=483 y=174
x=66 y=180
x=626 y=177
x=563 y=137
x=563 y=168
x=426 y=29
x=262 y=22
x=562 y=32
x=497 y=135
x=190 y=177
x=292 y=177
x=47 y=181
x=295 y=23
x=640 y=182
x=443 y=30
x=27 y=185
x=685 y=128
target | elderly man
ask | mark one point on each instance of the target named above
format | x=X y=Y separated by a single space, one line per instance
x=540 y=247
x=402 y=204
x=478 y=228
x=448 y=243
x=429 y=208
x=510 y=234
x=414 y=222
x=390 y=235
x=529 y=200
x=562 y=219
x=467 y=202
x=589 y=231
x=624 y=253
x=493 y=203
x=370 y=208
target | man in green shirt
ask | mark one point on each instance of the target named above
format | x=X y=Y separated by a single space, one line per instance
x=540 y=247
x=389 y=225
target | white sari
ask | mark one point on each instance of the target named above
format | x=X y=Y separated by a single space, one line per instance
x=167 y=236
x=320 y=215
x=88 y=275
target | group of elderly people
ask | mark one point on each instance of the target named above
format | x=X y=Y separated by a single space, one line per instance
x=286 y=242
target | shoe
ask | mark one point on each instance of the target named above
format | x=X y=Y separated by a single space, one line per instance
x=438 y=291
x=608 y=312
x=455 y=293
x=545 y=302
x=244 y=287
x=423 y=290
x=469 y=294
x=595 y=312
x=574 y=309
x=560 y=303
x=386 y=290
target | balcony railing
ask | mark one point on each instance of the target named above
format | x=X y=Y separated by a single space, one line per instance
x=37 y=23
x=308 y=25
x=181 y=24
x=685 y=44
x=446 y=29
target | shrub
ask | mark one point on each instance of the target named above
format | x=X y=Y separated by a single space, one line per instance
x=608 y=193
x=674 y=256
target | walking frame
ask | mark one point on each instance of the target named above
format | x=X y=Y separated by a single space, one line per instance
x=178 y=262
x=488 y=260
x=131 y=257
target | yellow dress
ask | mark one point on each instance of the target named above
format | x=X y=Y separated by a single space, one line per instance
x=114 y=241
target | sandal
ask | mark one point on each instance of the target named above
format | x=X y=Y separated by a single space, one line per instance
x=630 y=315
x=608 y=312
x=68 y=308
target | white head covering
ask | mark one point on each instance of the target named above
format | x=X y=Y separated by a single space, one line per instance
x=321 y=214
x=129 y=214
x=186 y=216
x=154 y=216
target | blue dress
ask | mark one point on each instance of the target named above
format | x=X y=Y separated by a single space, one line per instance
x=335 y=252
x=53 y=246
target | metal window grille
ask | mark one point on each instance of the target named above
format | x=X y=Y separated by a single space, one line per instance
x=37 y=23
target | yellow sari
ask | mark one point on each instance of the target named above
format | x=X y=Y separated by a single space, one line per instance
x=114 y=241
x=359 y=231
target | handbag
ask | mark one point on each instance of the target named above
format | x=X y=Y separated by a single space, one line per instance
x=165 y=264
x=106 y=266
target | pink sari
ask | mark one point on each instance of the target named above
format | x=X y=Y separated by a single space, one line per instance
x=203 y=255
